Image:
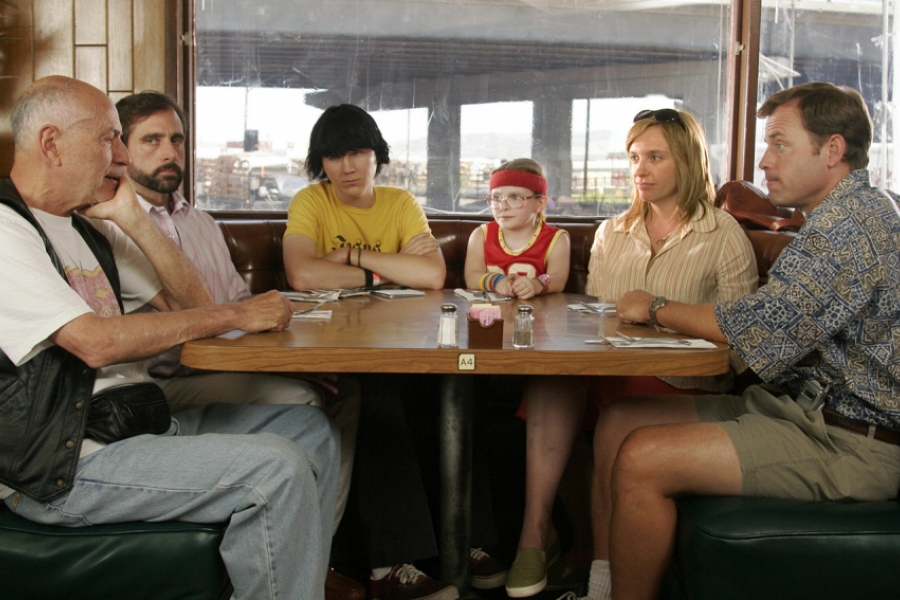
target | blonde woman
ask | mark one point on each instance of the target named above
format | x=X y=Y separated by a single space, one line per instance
x=672 y=242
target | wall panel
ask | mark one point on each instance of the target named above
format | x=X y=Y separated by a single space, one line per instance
x=149 y=45
x=120 y=49
x=54 y=39
x=119 y=46
x=16 y=68
x=90 y=22
x=90 y=65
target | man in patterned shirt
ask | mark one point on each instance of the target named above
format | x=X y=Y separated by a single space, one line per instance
x=153 y=130
x=823 y=335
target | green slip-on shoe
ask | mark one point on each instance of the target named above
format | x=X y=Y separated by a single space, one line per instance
x=528 y=573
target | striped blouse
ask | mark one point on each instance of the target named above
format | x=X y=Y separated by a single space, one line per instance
x=709 y=260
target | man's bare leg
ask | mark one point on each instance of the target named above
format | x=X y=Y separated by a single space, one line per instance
x=615 y=423
x=654 y=466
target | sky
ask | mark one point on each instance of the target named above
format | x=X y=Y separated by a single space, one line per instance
x=283 y=119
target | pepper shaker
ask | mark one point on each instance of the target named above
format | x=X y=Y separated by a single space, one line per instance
x=523 y=335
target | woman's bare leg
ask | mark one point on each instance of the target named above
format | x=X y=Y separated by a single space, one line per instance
x=555 y=406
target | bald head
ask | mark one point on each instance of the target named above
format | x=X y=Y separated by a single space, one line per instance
x=56 y=100
x=68 y=151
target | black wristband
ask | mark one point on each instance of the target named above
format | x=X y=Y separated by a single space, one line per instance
x=369 y=279
x=349 y=254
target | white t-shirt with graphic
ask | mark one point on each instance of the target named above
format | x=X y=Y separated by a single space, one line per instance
x=35 y=301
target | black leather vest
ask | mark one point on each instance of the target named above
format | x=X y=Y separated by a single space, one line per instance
x=44 y=403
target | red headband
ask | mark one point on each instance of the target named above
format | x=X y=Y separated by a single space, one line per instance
x=530 y=181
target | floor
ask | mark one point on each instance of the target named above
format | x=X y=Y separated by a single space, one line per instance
x=501 y=436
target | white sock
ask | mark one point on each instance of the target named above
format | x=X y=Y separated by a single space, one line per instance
x=600 y=583
x=382 y=572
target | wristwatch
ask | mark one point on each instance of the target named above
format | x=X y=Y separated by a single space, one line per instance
x=656 y=304
x=545 y=281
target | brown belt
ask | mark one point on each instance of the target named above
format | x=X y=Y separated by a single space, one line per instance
x=881 y=434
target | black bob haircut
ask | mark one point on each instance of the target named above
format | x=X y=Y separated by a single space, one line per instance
x=342 y=129
x=137 y=107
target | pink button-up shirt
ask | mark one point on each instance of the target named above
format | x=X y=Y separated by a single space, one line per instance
x=198 y=236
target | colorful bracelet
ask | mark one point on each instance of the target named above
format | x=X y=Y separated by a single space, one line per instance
x=489 y=281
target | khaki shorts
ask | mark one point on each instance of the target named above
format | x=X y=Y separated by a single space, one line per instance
x=787 y=453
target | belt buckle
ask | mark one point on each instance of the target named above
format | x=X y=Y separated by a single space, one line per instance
x=812 y=396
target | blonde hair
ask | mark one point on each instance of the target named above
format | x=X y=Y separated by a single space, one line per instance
x=693 y=180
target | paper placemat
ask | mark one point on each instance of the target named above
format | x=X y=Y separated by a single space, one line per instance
x=672 y=343
x=479 y=296
x=314 y=314
x=398 y=293
x=313 y=295
x=594 y=307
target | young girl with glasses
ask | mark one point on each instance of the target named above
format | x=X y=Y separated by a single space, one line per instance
x=518 y=254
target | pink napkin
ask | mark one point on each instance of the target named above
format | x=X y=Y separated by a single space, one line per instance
x=485 y=314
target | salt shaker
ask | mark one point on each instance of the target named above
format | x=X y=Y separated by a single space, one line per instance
x=523 y=336
x=448 y=327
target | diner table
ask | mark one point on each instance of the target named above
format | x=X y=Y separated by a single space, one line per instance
x=372 y=334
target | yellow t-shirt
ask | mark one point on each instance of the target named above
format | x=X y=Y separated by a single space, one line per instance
x=387 y=226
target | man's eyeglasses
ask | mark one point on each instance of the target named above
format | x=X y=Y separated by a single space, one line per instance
x=663 y=115
x=512 y=200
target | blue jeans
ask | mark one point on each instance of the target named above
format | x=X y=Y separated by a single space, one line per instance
x=276 y=488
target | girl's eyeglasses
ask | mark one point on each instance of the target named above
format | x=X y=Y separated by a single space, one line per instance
x=663 y=115
x=512 y=200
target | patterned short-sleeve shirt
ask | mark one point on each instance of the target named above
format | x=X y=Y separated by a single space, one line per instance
x=831 y=309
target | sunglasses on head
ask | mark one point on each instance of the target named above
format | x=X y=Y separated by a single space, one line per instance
x=663 y=115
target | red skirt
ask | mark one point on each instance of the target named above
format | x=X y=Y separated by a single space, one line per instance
x=603 y=390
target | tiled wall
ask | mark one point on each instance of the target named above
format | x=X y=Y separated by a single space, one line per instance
x=118 y=46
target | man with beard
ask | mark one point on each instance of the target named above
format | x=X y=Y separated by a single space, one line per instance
x=153 y=130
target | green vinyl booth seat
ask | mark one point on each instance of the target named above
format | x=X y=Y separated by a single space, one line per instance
x=730 y=548
x=133 y=561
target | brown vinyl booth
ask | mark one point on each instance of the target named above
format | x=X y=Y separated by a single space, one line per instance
x=734 y=548
x=751 y=548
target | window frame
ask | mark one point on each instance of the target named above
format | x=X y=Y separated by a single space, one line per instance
x=741 y=93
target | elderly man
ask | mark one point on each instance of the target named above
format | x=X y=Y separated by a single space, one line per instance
x=70 y=281
x=153 y=129
x=822 y=335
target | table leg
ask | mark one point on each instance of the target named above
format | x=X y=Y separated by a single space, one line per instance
x=456 y=480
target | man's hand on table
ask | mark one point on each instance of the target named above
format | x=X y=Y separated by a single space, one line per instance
x=266 y=312
x=634 y=306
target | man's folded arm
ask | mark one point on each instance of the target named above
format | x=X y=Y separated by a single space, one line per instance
x=304 y=271
x=427 y=271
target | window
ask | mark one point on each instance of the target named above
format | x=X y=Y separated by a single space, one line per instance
x=850 y=42
x=457 y=86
